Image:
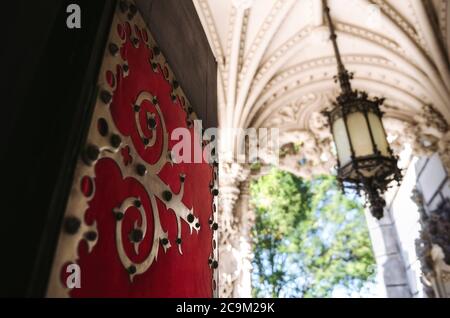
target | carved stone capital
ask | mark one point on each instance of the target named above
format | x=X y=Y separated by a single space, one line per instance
x=431 y=132
x=427 y=133
x=399 y=134
x=232 y=173
x=305 y=155
x=227 y=197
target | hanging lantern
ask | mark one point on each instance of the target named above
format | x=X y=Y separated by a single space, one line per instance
x=365 y=160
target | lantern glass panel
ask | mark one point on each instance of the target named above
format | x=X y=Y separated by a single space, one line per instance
x=359 y=134
x=342 y=142
x=378 y=134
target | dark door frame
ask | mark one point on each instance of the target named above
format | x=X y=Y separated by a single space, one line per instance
x=45 y=123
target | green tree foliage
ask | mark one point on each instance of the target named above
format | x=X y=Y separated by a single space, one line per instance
x=309 y=238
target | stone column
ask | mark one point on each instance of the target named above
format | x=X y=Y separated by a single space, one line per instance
x=391 y=267
x=246 y=220
x=230 y=266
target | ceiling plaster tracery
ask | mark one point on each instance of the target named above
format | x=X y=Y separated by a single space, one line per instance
x=271 y=53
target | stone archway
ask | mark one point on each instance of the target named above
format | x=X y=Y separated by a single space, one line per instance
x=275 y=69
x=305 y=154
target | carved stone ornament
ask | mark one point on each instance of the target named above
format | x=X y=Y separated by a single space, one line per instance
x=433 y=247
x=231 y=176
x=432 y=134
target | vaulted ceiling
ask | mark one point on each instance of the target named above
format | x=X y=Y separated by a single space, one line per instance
x=276 y=64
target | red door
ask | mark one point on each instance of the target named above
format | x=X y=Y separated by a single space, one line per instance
x=137 y=224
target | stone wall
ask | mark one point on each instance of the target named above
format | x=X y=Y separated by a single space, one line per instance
x=396 y=236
